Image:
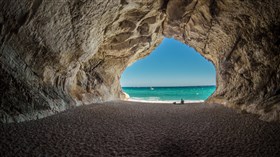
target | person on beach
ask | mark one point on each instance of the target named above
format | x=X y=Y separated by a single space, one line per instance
x=182 y=101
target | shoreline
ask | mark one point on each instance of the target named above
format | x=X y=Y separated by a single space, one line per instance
x=164 y=101
x=131 y=99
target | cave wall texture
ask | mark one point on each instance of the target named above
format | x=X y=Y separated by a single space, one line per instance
x=58 y=54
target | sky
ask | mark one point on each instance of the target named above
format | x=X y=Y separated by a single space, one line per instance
x=172 y=63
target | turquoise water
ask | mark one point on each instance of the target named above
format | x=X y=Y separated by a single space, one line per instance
x=189 y=93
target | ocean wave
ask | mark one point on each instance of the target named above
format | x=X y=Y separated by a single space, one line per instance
x=156 y=100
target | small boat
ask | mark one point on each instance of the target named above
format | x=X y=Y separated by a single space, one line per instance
x=151 y=88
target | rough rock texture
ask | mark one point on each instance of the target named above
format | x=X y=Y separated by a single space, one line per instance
x=242 y=39
x=58 y=54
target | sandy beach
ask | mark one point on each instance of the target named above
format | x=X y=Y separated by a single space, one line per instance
x=143 y=129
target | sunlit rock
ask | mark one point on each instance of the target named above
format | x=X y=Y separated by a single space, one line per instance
x=56 y=55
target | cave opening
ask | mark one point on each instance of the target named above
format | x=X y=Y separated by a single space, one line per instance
x=173 y=71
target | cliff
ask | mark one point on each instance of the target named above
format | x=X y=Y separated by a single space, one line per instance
x=58 y=54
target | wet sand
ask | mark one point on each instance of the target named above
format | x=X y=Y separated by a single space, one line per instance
x=142 y=129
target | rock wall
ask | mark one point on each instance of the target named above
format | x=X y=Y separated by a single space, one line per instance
x=58 y=54
x=242 y=39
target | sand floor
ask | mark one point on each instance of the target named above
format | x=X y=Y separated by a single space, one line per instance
x=141 y=129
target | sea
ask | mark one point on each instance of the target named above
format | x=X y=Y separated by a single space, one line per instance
x=169 y=94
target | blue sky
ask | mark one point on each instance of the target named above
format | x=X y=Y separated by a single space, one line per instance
x=172 y=63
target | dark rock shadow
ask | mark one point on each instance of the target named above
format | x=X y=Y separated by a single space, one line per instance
x=170 y=148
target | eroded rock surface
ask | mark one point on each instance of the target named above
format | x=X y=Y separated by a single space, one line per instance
x=58 y=54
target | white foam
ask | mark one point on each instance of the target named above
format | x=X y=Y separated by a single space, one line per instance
x=164 y=101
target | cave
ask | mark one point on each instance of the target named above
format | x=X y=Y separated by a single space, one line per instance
x=56 y=55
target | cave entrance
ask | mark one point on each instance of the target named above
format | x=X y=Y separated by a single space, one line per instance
x=173 y=71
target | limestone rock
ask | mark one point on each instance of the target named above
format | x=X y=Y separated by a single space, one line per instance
x=58 y=54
